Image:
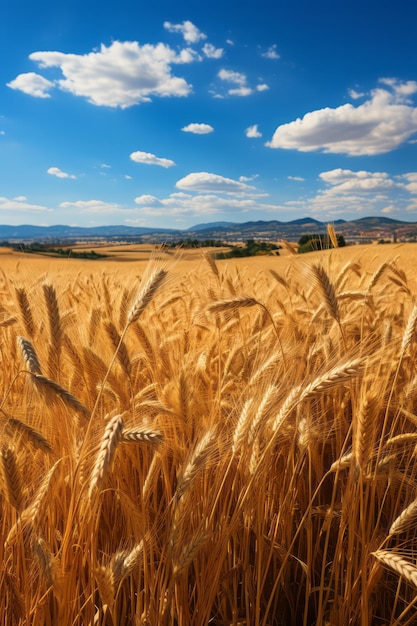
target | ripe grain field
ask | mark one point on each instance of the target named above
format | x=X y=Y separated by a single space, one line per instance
x=187 y=442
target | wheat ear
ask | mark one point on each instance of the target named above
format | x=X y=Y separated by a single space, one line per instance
x=185 y=556
x=231 y=304
x=46 y=384
x=25 y=310
x=11 y=478
x=364 y=424
x=124 y=563
x=55 y=327
x=212 y=263
x=333 y=377
x=29 y=434
x=197 y=459
x=29 y=355
x=322 y=281
x=142 y=435
x=404 y=568
x=409 y=331
x=31 y=514
x=332 y=235
x=109 y=443
x=154 y=282
x=405 y=521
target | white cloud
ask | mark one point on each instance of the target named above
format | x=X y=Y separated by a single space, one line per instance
x=148 y=200
x=239 y=82
x=2 y=132
x=240 y=91
x=150 y=159
x=94 y=206
x=206 y=182
x=198 y=129
x=232 y=77
x=343 y=181
x=296 y=178
x=188 y=30
x=212 y=52
x=19 y=203
x=55 y=171
x=381 y=124
x=127 y=177
x=271 y=53
x=120 y=75
x=355 y=95
x=32 y=84
x=252 y=131
x=105 y=166
x=245 y=179
x=184 y=204
x=353 y=193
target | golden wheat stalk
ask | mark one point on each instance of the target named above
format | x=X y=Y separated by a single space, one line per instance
x=401 y=566
x=111 y=438
x=124 y=563
x=231 y=304
x=48 y=564
x=212 y=263
x=185 y=554
x=195 y=462
x=142 y=435
x=409 y=331
x=337 y=375
x=46 y=385
x=29 y=434
x=25 y=310
x=241 y=426
x=8 y=321
x=364 y=425
x=154 y=282
x=55 y=328
x=30 y=515
x=332 y=235
x=120 y=346
x=406 y=521
x=321 y=279
x=343 y=462
x=29 y=356
x=11 y=479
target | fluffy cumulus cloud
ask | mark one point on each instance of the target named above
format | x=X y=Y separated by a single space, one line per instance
x=20 y=203
x=382 y=123
x=198 y=129
x=212 y=52
x=55 y=171
x=94 y=206
x=150 y=159
x=271 y=53
x=238 y=83
x=148 y=200
x=347 y=181
x=206 y=182
x=349 y=192
x=32 y=84
x=120 y=75
x=188 y=30
x=182 y=205
x=253 y=131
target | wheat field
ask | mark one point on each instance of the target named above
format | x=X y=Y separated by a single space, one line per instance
x=192 y=442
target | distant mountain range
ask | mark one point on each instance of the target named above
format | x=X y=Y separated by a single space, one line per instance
x=363 y=228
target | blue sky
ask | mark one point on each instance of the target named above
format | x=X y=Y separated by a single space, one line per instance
x=172 y=114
